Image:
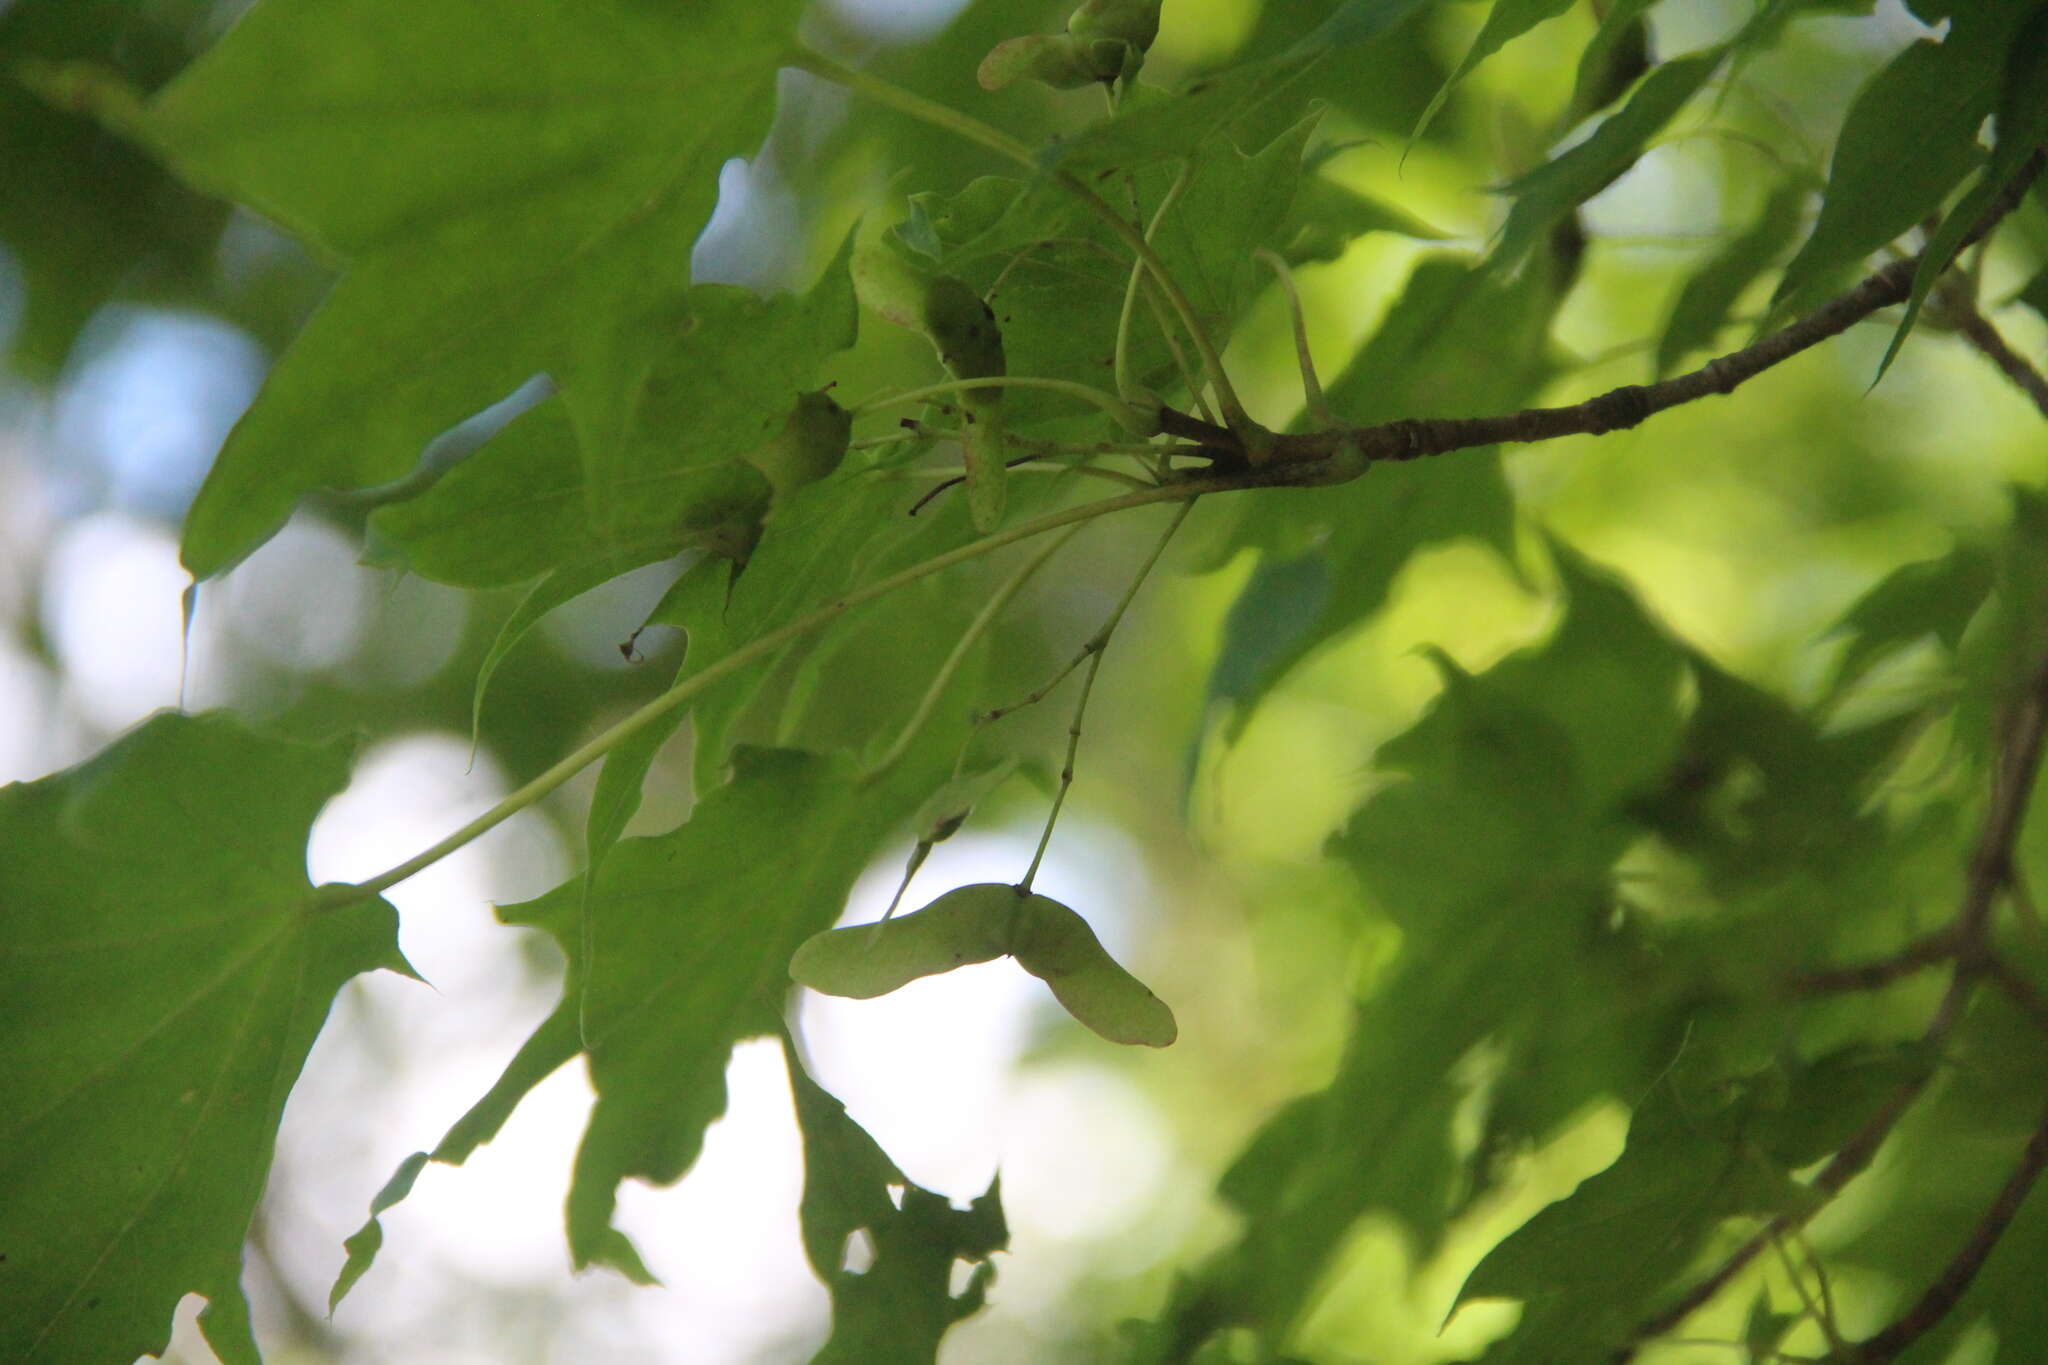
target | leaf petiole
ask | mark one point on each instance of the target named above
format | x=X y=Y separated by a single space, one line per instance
x=1130 y=418
x=687 y=689
x=976 y=628
x=1092 y=651
x=939 y=116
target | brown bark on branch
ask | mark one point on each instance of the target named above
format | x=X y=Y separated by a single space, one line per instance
x=1960 y=311
x=1948 y=1288
x=1411 y=438
x=1917 y=956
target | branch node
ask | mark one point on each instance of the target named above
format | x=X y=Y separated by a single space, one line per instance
x=1618 y=409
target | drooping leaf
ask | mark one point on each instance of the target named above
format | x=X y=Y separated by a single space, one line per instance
x=1710 y=294
x=1909 y=138
x=1687 y=1166
x=1618 y=49
x=500 y=177
x=691 y=934
x=2021 y=115
x=1929 y=597
x=170 y=967
x=1557 y=188
x=901 y=1305
x=1505 y=22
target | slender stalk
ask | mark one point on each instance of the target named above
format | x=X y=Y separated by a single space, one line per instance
x=1948 y=1288
x=939 y=116
x=976 y=628
x=687 y=689
x=1059 y=798
x=1092 y=651
x=1126 y=416
x=1137 y=279
x=1311 y=387
x=952 y=474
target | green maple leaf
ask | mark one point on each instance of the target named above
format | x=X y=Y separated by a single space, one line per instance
x=499 y=177
x=689 y=937
x=169 y=967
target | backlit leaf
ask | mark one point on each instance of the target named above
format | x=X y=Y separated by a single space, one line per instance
x=1908 y=139
x=498 y=176
x=899 y=1307
x=690 y=937
x=1557 y=188
x=170 y=966
x=1505 y=22
x=1710 y=294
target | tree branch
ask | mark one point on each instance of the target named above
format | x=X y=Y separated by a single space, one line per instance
x=1412 y=438
x=1968 y=934
x=1847 y=1163
x=1960 y=311
x=1948 y=1288
x=1930 y=950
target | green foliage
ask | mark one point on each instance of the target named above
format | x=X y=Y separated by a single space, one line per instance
x=1724 y=840
x=171 y=966
x=900 y=1307
x=536 y=212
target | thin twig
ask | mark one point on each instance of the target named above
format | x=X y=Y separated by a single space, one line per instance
x=1931 y=950
x=1822 y=1313
x=1618 y=409
x=1948 y=1287
x=1092 y=651
x=1989 y=874
x=976 y=628
x=1959 y=310
x=2020 y=991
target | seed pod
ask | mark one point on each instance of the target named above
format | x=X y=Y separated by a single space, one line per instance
x=946 y=809
x=970 y=346
x=810 y=445
x=1056 y=945
x=1054 y=59
x=1126 y=21
x=889 y=283
x=977 y=924
x=970 y=924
